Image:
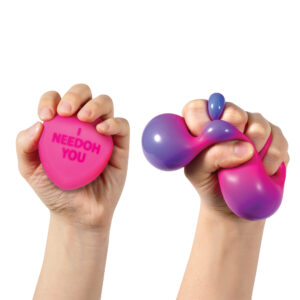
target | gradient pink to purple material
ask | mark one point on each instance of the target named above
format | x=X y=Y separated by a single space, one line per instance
x=248 y=190
x=72 y=152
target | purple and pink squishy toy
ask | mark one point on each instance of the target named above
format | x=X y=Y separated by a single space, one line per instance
x=247 y=189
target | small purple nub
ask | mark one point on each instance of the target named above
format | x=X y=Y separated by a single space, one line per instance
x=216 y=104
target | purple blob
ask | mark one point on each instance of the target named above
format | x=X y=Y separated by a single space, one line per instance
x=163 y=142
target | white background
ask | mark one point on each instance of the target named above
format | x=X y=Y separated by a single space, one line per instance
x=150 y=57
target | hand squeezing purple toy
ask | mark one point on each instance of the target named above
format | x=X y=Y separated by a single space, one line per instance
x=248 y=190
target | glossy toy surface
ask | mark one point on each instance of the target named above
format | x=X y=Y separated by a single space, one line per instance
x=248 y=190
x=72 y=152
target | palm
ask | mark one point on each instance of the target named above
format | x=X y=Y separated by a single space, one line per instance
x=89 y=202
x=208 y=188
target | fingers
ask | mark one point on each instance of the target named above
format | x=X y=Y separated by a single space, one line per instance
x=235 y=115
x=254 y=125
x=226 y=155
x=196 y=116
x=118 y=128
x=77 y=98
x=48 y=105
x=277 y=152
x=27 y=146
x=74 y=98
x=258 y=130
x=101 y=106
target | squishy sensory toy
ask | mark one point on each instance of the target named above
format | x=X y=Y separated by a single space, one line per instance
x=72 y=152
x=247 y=189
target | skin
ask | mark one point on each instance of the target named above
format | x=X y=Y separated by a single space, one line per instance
x=80 y=219
x=225 y=251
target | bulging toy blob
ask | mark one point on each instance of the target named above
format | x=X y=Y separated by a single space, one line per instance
x=72 y=152
x=248 y=190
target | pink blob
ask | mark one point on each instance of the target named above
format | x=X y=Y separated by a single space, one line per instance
x=72 y=152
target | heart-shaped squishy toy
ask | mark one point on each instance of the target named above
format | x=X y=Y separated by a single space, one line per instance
x=72 y=152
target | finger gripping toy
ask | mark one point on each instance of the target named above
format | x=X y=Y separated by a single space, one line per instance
x=247 y=189
x=72 y=152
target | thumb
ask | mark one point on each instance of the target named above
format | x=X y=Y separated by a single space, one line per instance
x=27 y=149
x=227 y=155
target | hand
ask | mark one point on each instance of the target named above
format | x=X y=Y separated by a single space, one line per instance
x=91 y=206
x=202 y=170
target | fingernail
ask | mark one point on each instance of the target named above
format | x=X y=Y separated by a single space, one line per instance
x=45 y=113
x=86 y=112
x=103 y=126
x=33 y=129
x=65 y=107
x=243 y=149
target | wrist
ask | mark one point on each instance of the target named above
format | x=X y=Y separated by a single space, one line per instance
x=224 y=244
x=228 y=222
x=74 y=261
x=77 y=233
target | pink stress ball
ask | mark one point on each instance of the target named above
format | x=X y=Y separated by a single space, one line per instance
x=72 y=152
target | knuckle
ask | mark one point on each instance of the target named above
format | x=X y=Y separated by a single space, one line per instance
x=73 y=96
x=124 y=123
x=103 y=99
x=259 y=130
x=106 y=98
x=275 y=154
x=277 y=130
x=282 y=141
x=258 y=116
x=96 y=103
x=235 y=115
x=195 y=105
x=49 y=95
x=82 y=86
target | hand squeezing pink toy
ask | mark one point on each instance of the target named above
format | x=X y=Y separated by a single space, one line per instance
x=72 y=152
x=248 y=190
